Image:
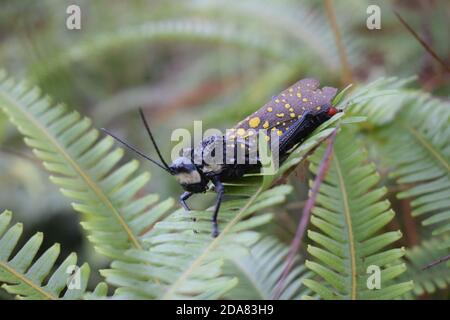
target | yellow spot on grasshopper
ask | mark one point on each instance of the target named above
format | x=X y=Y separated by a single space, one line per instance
x=279 y=133
x=280 y=115
x=292 y=115
x=266 y=124
x=269 y=109
x=318 y=107
x=254 y=122
x=305 y=99
x=287 y=105
x=241 y=132
x=299 y=94
x=291 y=90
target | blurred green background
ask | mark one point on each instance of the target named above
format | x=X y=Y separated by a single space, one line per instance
x=214 y=61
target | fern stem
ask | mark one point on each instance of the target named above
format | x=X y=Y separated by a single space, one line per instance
x=350 y=232
x=27 y=281
x=438 y=261
x=346 y=76
x=412 y=235
x=429 y=147
x=306 y=214
x=422 y=42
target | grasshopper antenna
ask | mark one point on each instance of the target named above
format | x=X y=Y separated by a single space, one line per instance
x=147 y=127
x=136 y=150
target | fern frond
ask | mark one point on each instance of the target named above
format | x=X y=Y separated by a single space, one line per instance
x=415 y=143
x=100 y=292
x=381 y=100
x=164 y=30
x=418 y=149
x=81 y=164
x=432 y=279
x=349 y=214
x=24 y=274
x=260 y=271
x=301 y=27
x=183 y=261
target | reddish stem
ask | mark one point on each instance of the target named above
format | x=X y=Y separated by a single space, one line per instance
x=422 y=42
x=303 y=223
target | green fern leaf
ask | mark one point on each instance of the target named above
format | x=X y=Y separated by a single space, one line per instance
x=24 y=278
x=432 y=279
x=291 y=28
x=260 y=270
x=418 y=149
x=156 y=31
x=381 y=100
x=348 y=215
x=81 y=164
x=100 y=292
x=183 y=260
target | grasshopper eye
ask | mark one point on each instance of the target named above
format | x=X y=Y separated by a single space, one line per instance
x=332 y=111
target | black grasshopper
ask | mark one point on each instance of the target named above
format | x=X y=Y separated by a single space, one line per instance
x=290 y=116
